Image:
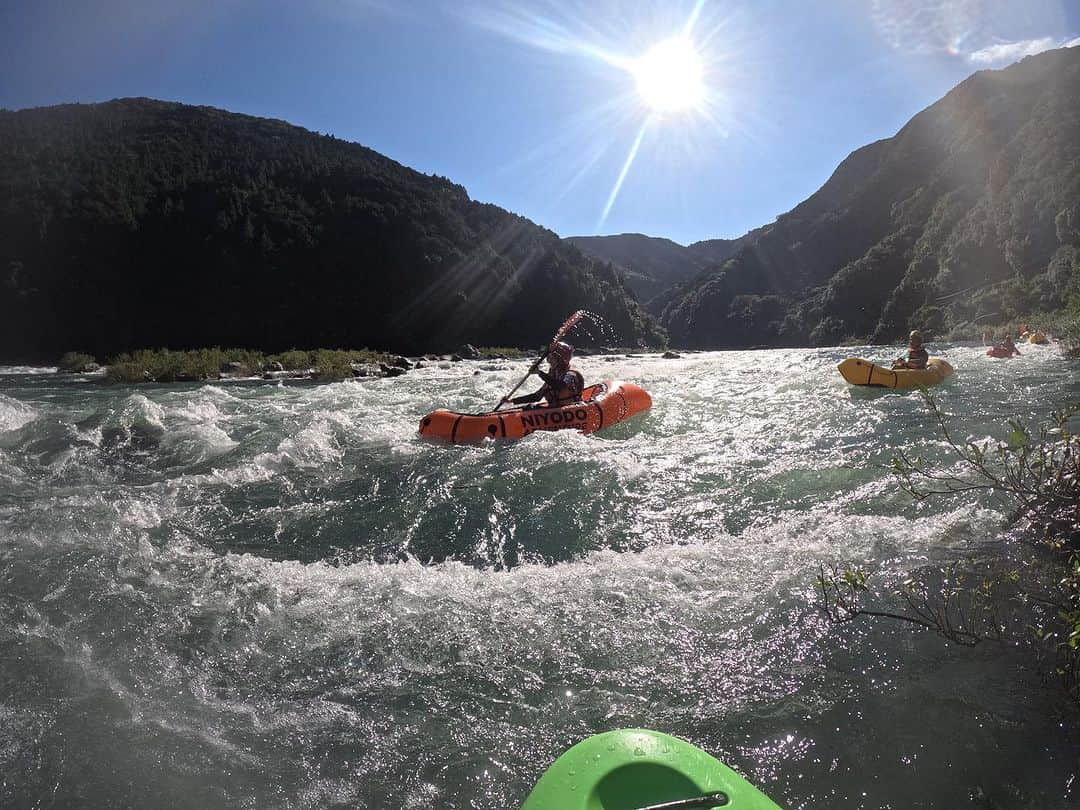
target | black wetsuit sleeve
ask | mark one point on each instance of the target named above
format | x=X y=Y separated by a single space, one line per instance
x=536 y=396
x=550 y=379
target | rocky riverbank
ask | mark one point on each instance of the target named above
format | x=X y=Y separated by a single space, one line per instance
x=166 y=365
x=199 y=365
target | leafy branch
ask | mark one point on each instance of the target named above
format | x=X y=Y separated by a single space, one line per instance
x=1039 y=472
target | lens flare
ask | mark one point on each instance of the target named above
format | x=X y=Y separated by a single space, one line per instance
x=672 y=94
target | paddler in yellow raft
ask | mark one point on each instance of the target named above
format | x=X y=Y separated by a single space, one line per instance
x=912 y=371
x=917 y=356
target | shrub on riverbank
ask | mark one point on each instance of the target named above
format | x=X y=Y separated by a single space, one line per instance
x=500 y=353
x=164 y=365
x=1064 y=325
x=77 y=362
x=167 y=365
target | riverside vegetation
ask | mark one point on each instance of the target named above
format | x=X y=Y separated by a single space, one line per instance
x=1032 y=601
x=970 y=214
x=166 y=365
x=139 y=223
x=145 y=223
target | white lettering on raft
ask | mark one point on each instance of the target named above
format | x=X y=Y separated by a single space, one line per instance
x=553 y=420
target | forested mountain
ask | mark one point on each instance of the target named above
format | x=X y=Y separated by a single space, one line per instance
x=714 y=251
x=971 y=213
x=650 y=265
x=145 y=223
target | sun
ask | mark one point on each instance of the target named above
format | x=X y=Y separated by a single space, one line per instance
x=670 y=76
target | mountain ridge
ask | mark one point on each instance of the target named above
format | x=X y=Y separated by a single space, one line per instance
x=653 y=265
x=138 y=222
x=979 y=191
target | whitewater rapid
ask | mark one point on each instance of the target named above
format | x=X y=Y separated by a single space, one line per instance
x=251 y=594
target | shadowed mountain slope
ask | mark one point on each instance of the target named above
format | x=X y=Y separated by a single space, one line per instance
x=146 y=223
x=971 y=212
x=651 y=265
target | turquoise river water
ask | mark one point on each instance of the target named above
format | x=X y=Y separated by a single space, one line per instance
x=256 y=595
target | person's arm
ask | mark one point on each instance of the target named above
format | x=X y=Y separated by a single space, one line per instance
x=550 y=379
x=536 y=396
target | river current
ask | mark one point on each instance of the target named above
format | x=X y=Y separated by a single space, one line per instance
x=260 y=595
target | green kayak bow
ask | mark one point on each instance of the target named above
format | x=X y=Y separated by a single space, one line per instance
x=637 y=769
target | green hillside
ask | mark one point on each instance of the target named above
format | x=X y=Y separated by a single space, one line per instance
x=970 y=214
x=145 y=223
x=651 y=265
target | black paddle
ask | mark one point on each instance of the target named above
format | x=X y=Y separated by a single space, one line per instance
x=718 y=799
x=532 y=368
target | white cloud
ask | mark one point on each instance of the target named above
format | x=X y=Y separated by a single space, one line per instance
x=981 y=32
x=1004 y=52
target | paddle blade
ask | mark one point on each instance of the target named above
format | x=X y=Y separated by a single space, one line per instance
x=568 y=324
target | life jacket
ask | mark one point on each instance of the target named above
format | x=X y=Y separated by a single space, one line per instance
x=570 y=390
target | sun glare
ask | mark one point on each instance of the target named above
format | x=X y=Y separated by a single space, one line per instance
x=670 y=76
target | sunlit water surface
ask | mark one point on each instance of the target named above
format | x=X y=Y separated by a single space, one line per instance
x=258 y=595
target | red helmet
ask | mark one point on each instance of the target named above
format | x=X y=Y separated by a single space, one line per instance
x=560 y=354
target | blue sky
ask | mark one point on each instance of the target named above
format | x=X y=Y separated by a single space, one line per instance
x=534 y=106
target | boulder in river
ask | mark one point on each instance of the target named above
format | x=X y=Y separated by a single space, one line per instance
x=233 y=369
x=469 y=352
x=670 y=355
x=89 y=367
x=390 y=371
x=366 y=370
x=401 y=362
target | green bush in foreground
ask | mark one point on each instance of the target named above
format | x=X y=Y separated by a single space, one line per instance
x=1036 y=603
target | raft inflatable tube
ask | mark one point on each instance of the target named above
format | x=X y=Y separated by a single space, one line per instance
x=998 y=351
x=603 y=405
x=1038 y=338
x=637 y=769
x=862 y=372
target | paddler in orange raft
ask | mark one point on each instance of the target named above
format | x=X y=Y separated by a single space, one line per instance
x=563 y=384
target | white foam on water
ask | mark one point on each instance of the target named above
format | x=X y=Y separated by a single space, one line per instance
x=196 y=427
x=27 y=370
x=14 y=413
x=196 y=444
x=198 y=411
x=302 y=674
x=139 y=412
